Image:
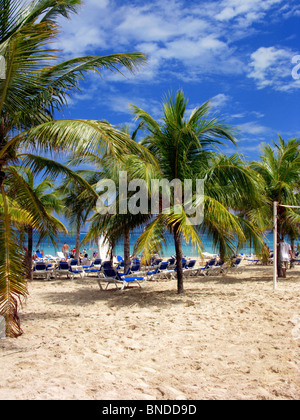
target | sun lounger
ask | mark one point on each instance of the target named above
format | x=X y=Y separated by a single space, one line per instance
x=215 y=270
x=77 y=270
x=208 y=266
x=41 y=270
x=152 y=274
x=135 y=269
x=112 y=276
x=189 y=269
x=92 y=269
x=236 y=266
x=63 y=269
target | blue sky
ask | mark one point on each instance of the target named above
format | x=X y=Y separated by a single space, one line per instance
x=236 y=53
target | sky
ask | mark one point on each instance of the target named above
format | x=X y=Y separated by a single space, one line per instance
x=242 y=55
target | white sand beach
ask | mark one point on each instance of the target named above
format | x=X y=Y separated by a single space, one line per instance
x=227 y=338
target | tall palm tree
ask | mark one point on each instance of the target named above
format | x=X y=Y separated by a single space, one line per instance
x=185 y=148
x=112 y=226
x=36 y=84
x=279 y=171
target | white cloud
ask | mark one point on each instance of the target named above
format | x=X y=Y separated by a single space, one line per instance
x=253 y=128
x=189 y=43
x=219 y=100
x=272 y=67
x=249 y=10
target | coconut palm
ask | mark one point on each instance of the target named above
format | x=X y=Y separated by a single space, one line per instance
x=36 y=84
x=279 y=171
x=47 y=199
x=185 y=149
x=111 y=226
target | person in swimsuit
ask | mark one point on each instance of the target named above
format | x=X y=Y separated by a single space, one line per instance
x=66 y=250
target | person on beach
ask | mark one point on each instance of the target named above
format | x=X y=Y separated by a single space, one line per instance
x=66 y=250
x=286 y=256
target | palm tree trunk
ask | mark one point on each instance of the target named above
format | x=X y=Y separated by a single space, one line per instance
x=29 y=253
x=178 y=249
x=126 y=249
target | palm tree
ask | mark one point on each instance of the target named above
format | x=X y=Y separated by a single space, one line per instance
x=112 y=226
x=184 y=149
x=279 y=171
x=48 y=202
x=36 y=85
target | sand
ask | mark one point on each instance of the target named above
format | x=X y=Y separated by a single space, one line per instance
x=226 y=338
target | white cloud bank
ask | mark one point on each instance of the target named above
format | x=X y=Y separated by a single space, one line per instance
x=200 y=38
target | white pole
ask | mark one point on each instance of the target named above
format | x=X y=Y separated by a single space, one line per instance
x=275 y=245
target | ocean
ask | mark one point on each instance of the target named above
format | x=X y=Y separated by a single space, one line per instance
x=168 y=248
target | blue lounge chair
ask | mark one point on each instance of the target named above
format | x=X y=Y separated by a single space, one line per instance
x=41 y=270
x=204 y=271
x=63 y=269
x=135 y=268
x=75 y=270
x=191 y=264
x=111 y=276
x=151 y=274
x=189 y=269
x=94 y=270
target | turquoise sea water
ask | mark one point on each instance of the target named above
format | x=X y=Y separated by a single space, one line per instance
x=168 y=249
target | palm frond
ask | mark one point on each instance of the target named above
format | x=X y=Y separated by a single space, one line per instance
x=13 y=285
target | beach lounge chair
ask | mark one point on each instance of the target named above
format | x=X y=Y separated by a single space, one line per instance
x=40 y=270
x=97 y=263
x=156 y=262
x=236 y=266
x=91 y=268
x=189 y=269
x=77 y=270
x=63 y=269
x=208 y=266
x=112 y=276
x=135 y=268
x=217 y=269
x=172 y=263
x=164 y=271
x=152 y=274
x=173 y=271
